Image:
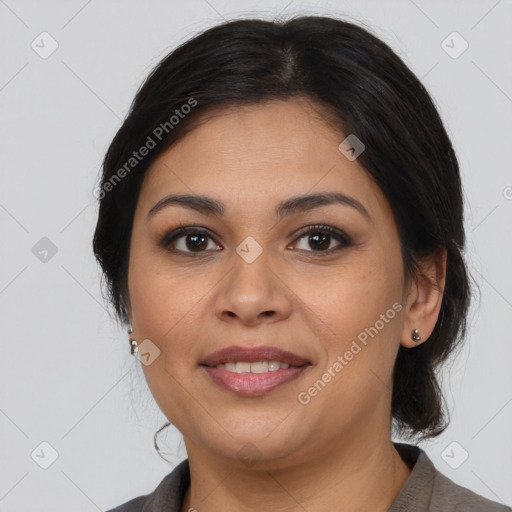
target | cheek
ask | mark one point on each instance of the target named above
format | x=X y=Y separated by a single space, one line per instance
x=160 y=297
x=358 y=313
x=169 y=311
x=170 y=307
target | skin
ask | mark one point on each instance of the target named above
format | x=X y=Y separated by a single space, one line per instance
x=334 y=453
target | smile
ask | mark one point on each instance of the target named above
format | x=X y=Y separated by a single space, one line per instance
x=253 y=371
x=256 y=367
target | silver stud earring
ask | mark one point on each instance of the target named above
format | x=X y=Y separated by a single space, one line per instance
x=133 y=343
x=415 y=335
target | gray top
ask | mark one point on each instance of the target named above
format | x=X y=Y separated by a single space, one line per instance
x=426 y=490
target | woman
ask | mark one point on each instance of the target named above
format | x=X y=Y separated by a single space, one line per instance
x=281 y=231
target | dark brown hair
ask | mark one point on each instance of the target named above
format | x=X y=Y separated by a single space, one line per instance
x=371 y=93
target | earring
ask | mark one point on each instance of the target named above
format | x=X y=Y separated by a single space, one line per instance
x=133 y=343
x=415 y=335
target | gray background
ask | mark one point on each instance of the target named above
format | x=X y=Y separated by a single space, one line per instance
x=66 y=375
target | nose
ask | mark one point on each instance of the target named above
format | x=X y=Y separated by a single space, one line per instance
x=253 y=293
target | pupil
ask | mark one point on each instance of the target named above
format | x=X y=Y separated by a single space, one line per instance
x=194 y=244
x=317 y=237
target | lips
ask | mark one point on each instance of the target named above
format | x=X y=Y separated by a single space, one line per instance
x=250 y=383
x=253 y=354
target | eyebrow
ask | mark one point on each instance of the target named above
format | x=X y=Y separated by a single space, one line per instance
x=209 y=206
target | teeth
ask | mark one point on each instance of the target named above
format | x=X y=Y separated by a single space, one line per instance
x=274 y=365
x=259 y=367
x=256 y=367
x=243 y=368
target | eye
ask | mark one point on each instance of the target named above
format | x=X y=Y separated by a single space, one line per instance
x=319 y=237
x=194 y=240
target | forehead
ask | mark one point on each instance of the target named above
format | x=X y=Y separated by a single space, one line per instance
x=260 y=154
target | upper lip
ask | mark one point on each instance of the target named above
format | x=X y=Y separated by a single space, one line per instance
x=237 y=353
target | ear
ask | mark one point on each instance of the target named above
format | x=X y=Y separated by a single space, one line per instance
x=424 y=299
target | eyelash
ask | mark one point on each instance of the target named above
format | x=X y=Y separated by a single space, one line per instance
x=170 y=237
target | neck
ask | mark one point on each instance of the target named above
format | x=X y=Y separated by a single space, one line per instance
x=366 y=473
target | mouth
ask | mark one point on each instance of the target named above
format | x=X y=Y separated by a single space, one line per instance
x=253 y=371
x=256 y=367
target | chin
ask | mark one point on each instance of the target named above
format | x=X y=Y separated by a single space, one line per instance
x=258 y=446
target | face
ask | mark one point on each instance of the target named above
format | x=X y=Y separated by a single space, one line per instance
x=268 y=282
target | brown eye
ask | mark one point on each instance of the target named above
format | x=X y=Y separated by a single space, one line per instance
x=319 y=239
x=186 y=240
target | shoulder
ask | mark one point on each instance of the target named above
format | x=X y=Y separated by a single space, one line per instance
x=134 y=505
x=447 y=495
x=168 y=496
x=428 y=490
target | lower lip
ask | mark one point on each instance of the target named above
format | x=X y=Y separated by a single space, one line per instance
x=253 y=384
